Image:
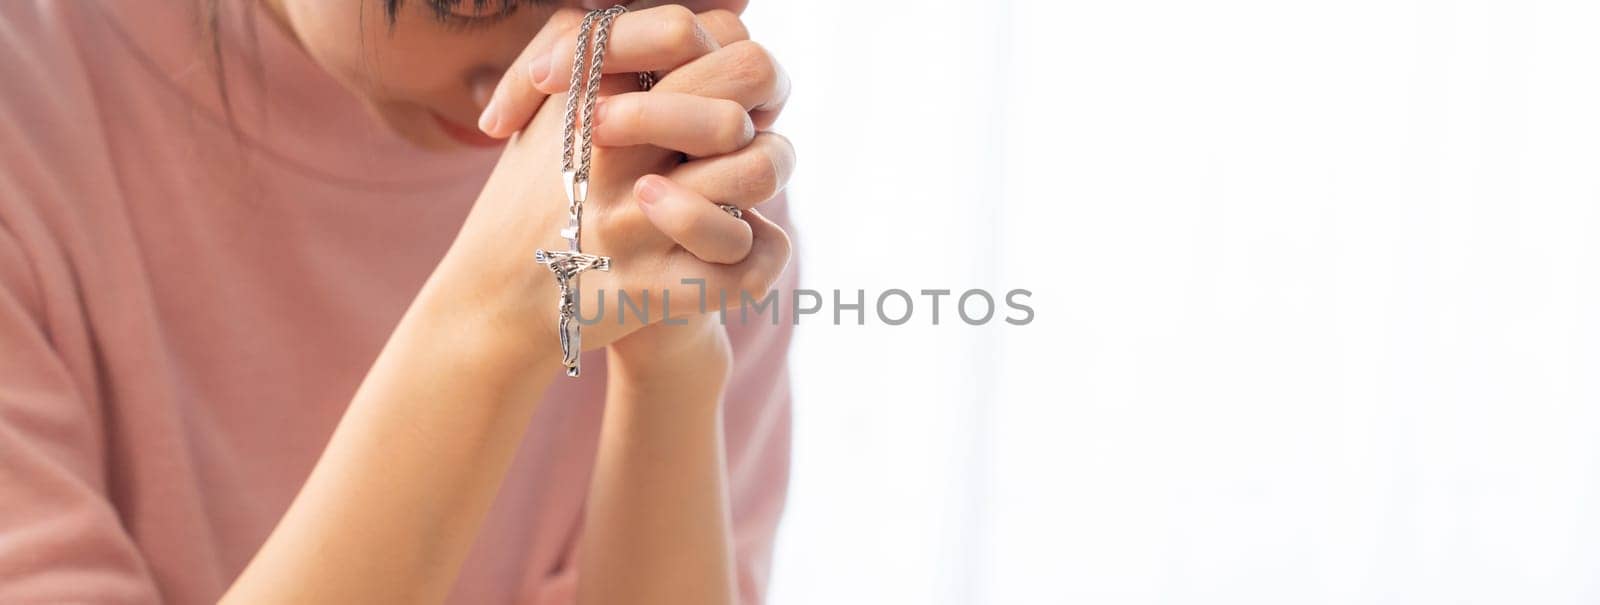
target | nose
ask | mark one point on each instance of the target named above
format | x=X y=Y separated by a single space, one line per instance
x=482 y=83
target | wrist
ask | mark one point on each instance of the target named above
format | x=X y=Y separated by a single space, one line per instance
x=497 y=328
x=686 y=364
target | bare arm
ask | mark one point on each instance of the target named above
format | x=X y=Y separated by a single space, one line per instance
x=393 y=505
x=657 y=526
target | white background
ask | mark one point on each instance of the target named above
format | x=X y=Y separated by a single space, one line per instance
x=1315 y=282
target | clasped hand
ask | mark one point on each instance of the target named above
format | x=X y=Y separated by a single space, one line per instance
x=663 y=160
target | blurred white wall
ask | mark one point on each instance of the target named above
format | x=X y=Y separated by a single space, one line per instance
x=1316 y=288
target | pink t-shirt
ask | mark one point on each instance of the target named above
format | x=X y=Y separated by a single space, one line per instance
x=186 y=307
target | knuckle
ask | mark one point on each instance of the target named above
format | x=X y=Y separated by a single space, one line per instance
x=779 y=139
x=734 y=128
x=785 y=246
x=764 y=277
x=751 y=61
x=682 y=29
x=626 y=115
x=756 y=281
x=725 y=252
x=621 y=224
x=782 y=247
x=725 y=21
x=700 y=223
x=680 y=224
x=675 y=13
x=783 y=154
x=758 y=177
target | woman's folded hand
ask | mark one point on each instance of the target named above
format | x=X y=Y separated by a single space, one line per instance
x=663 y=161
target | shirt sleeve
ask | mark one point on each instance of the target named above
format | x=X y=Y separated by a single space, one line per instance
x=61 y=540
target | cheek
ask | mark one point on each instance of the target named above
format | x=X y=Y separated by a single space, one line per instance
x=332 y=32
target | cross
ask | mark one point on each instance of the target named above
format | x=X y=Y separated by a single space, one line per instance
x=567 y=266
x=575 y=161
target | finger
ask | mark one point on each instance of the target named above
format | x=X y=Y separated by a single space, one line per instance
x=742 y=71
x=697 y=126
x=515 y=99
x=693 y=221
x=753 y=174
x=724 y=26
x=658 y=39
x=698 y=6
x=770 y=249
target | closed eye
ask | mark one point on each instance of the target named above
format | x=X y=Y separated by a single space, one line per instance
x=467 y=15
x=466 y=23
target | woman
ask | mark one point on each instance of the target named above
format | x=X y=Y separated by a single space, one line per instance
x=271 y=329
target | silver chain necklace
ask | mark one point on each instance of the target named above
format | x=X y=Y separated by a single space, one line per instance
x=576 y=155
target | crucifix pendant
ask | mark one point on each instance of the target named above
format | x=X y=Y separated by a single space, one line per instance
x=569 y=265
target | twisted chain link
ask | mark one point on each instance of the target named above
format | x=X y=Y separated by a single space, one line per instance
x=568 y=126
x=596 y=24
x=602 y=36
x=570 y=264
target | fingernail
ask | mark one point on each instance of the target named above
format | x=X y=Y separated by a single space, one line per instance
x=489 y=121
x=539 y=69
x=649 y=189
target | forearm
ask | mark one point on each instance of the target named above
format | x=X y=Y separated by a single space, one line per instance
x=657 y=526
x=394 y=503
